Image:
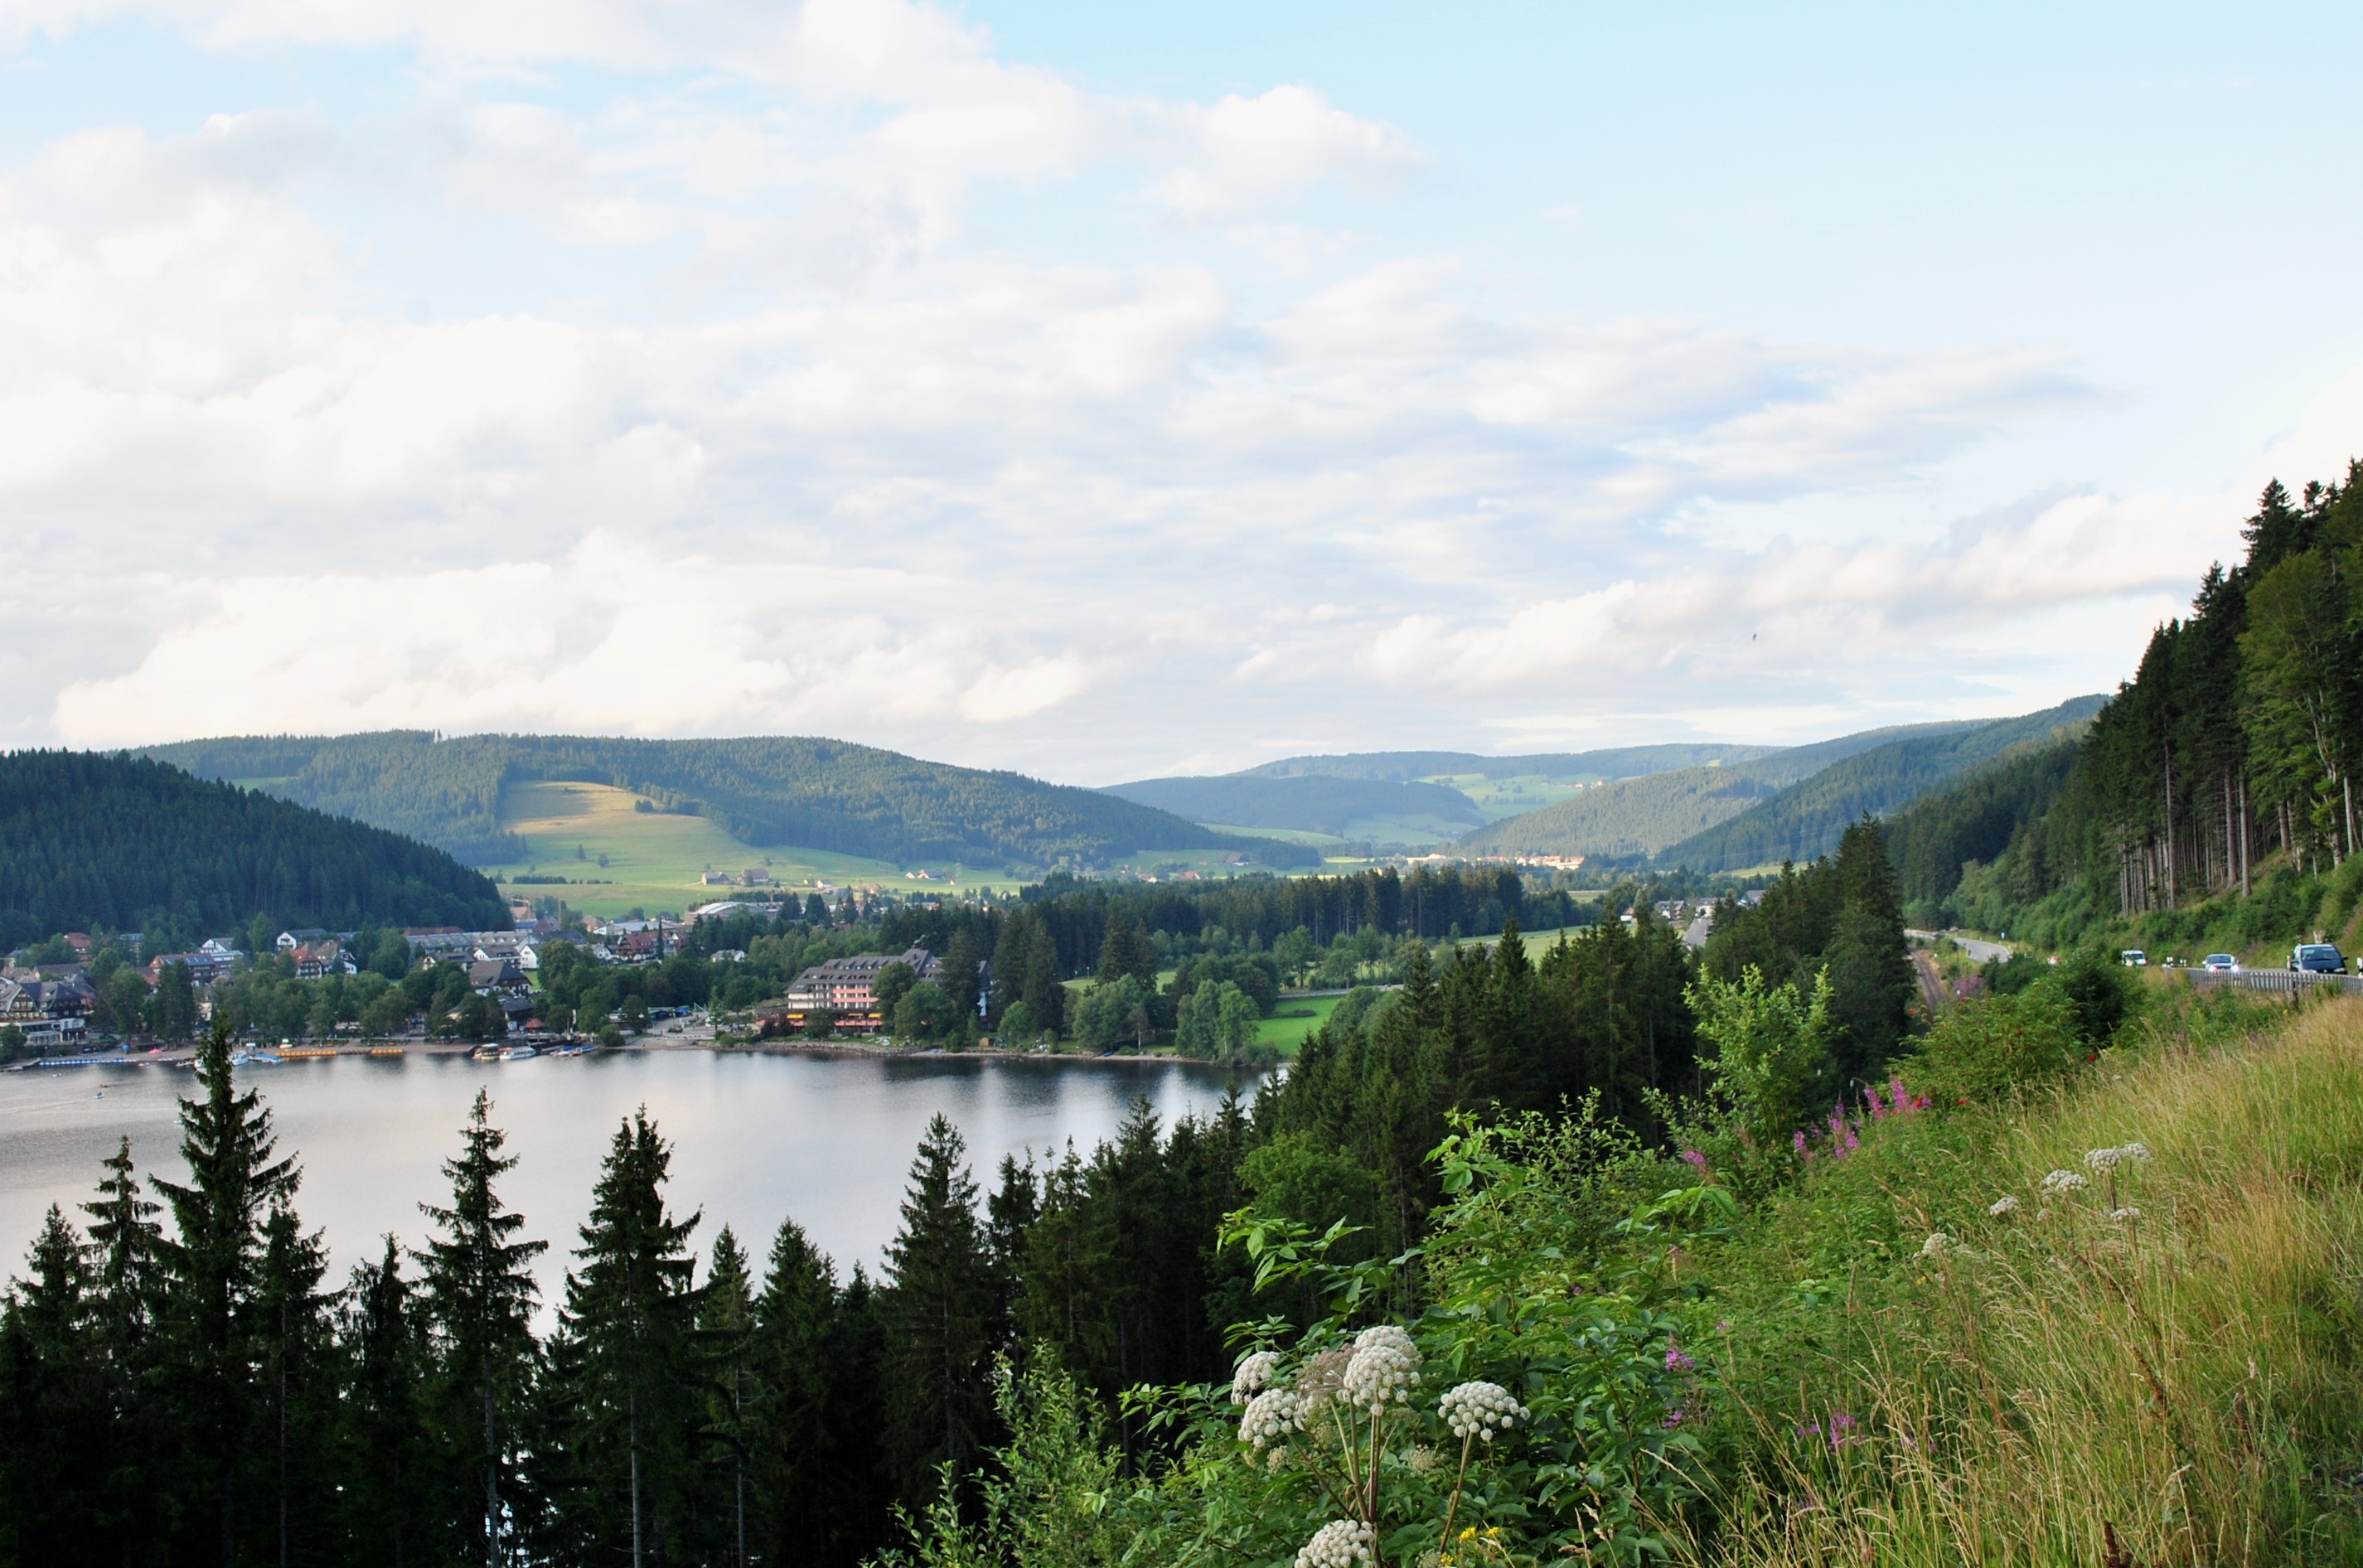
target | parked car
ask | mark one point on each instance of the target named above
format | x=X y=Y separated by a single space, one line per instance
x=2317 y=958
x=2134 y=958
x=2223 y=963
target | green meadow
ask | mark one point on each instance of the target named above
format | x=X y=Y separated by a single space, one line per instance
x=657 y=861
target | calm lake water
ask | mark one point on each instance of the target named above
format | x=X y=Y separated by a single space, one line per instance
x=756 y=1139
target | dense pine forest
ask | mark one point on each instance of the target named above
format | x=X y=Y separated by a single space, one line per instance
x=110 y=843
x=2212 y=800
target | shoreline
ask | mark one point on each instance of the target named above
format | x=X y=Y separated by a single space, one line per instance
x=182 y=1056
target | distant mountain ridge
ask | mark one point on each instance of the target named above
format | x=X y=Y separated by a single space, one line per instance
x=1308 y=802
x=1619 y=762
x=1807 y=819
x=805 y=791
x=1789 y=804
x=108 y=841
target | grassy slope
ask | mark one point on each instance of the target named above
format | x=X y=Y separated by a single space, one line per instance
x=655 y=859
x=1297 y=1018
x=2191 y=1382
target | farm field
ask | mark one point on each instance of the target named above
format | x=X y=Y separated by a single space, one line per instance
x=654 y=859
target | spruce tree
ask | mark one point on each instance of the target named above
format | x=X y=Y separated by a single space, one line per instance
x=51 y=1406
x=125 y=1241
x=479 y=1297
x=938 y=1319
x=298 y=1383
x=384 y=1441
x=726 y=1323
x=812 y=1455
x=630 y=1414
x=211 y=1268
x=1870 y=963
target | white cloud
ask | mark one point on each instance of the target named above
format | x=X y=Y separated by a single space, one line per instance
x=706 y=412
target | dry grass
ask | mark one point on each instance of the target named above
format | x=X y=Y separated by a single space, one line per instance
x=2066 y=1388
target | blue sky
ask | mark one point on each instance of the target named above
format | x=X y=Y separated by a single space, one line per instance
x=1110 y=391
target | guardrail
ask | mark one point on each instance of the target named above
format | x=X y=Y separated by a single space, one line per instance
x=2282 y=982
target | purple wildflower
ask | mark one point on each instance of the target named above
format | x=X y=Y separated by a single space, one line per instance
x=1674 y=1418
x=1799 y=1140
x=1676 y=1360
x=1695 y=1158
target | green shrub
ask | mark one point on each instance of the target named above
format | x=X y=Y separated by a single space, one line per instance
x=1984 y=1049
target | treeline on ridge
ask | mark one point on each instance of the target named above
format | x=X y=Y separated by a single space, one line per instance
x=97 y=841
x=2214 y=792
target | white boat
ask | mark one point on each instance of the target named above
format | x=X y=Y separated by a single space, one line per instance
x=518 y=1053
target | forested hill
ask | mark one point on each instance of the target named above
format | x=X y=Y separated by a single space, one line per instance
x=1633 y=818
x=2226 y=764
x=1620 y=762
x=1644 y=817
x=1313 y=802
x=816 y=793
x=93 y=841
x=1805 y=820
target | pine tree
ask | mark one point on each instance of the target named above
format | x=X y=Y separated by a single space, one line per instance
x=812 y=1439
x=1869 y=964
x=387 y=1504
x=211 y=1267
x=299 y=1384
x=479 y=1297
x=628 y=1363
x=1010 y=1213
x=123 y=1241
x=53 y=1409
x=939 y=1315
x=726 y=1323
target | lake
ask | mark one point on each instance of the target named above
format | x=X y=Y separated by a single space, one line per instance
x=825 y=1140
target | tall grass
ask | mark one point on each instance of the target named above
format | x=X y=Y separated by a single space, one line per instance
x=2058 y=1385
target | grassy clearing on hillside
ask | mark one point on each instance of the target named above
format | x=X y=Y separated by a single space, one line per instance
x=2163 y=1367
x=1500 y=797
x=1297 y=1018
x=655 y=859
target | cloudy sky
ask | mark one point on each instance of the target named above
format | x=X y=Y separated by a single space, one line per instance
x=1105 y=390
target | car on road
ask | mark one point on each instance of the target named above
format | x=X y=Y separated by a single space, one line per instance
x=2221 y=962
x=2316 y=958
x=2134 y=958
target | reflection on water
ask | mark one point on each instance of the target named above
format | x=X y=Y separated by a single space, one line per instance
x=756 y=1138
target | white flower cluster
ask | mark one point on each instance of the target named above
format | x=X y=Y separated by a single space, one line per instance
x=1934 y=1247
x=1474 y=1410
x=2063 y=1181
x=1340 y=1543
x=1384 y=1367
x=1254 y=1372
x=2003 y=1205
x=1270 y=1415
x=2137 y=1153
x=2101 y=1160
x=2126 y=1215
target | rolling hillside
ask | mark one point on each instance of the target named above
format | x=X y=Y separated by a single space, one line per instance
x=1621 y=762
x=1307 y=803
x=1805 y=820
x=765 y=790
x=94 y=841
x=1769 y=803
x=1630 y=818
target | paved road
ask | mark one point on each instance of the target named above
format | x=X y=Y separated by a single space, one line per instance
x=1977 y=947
